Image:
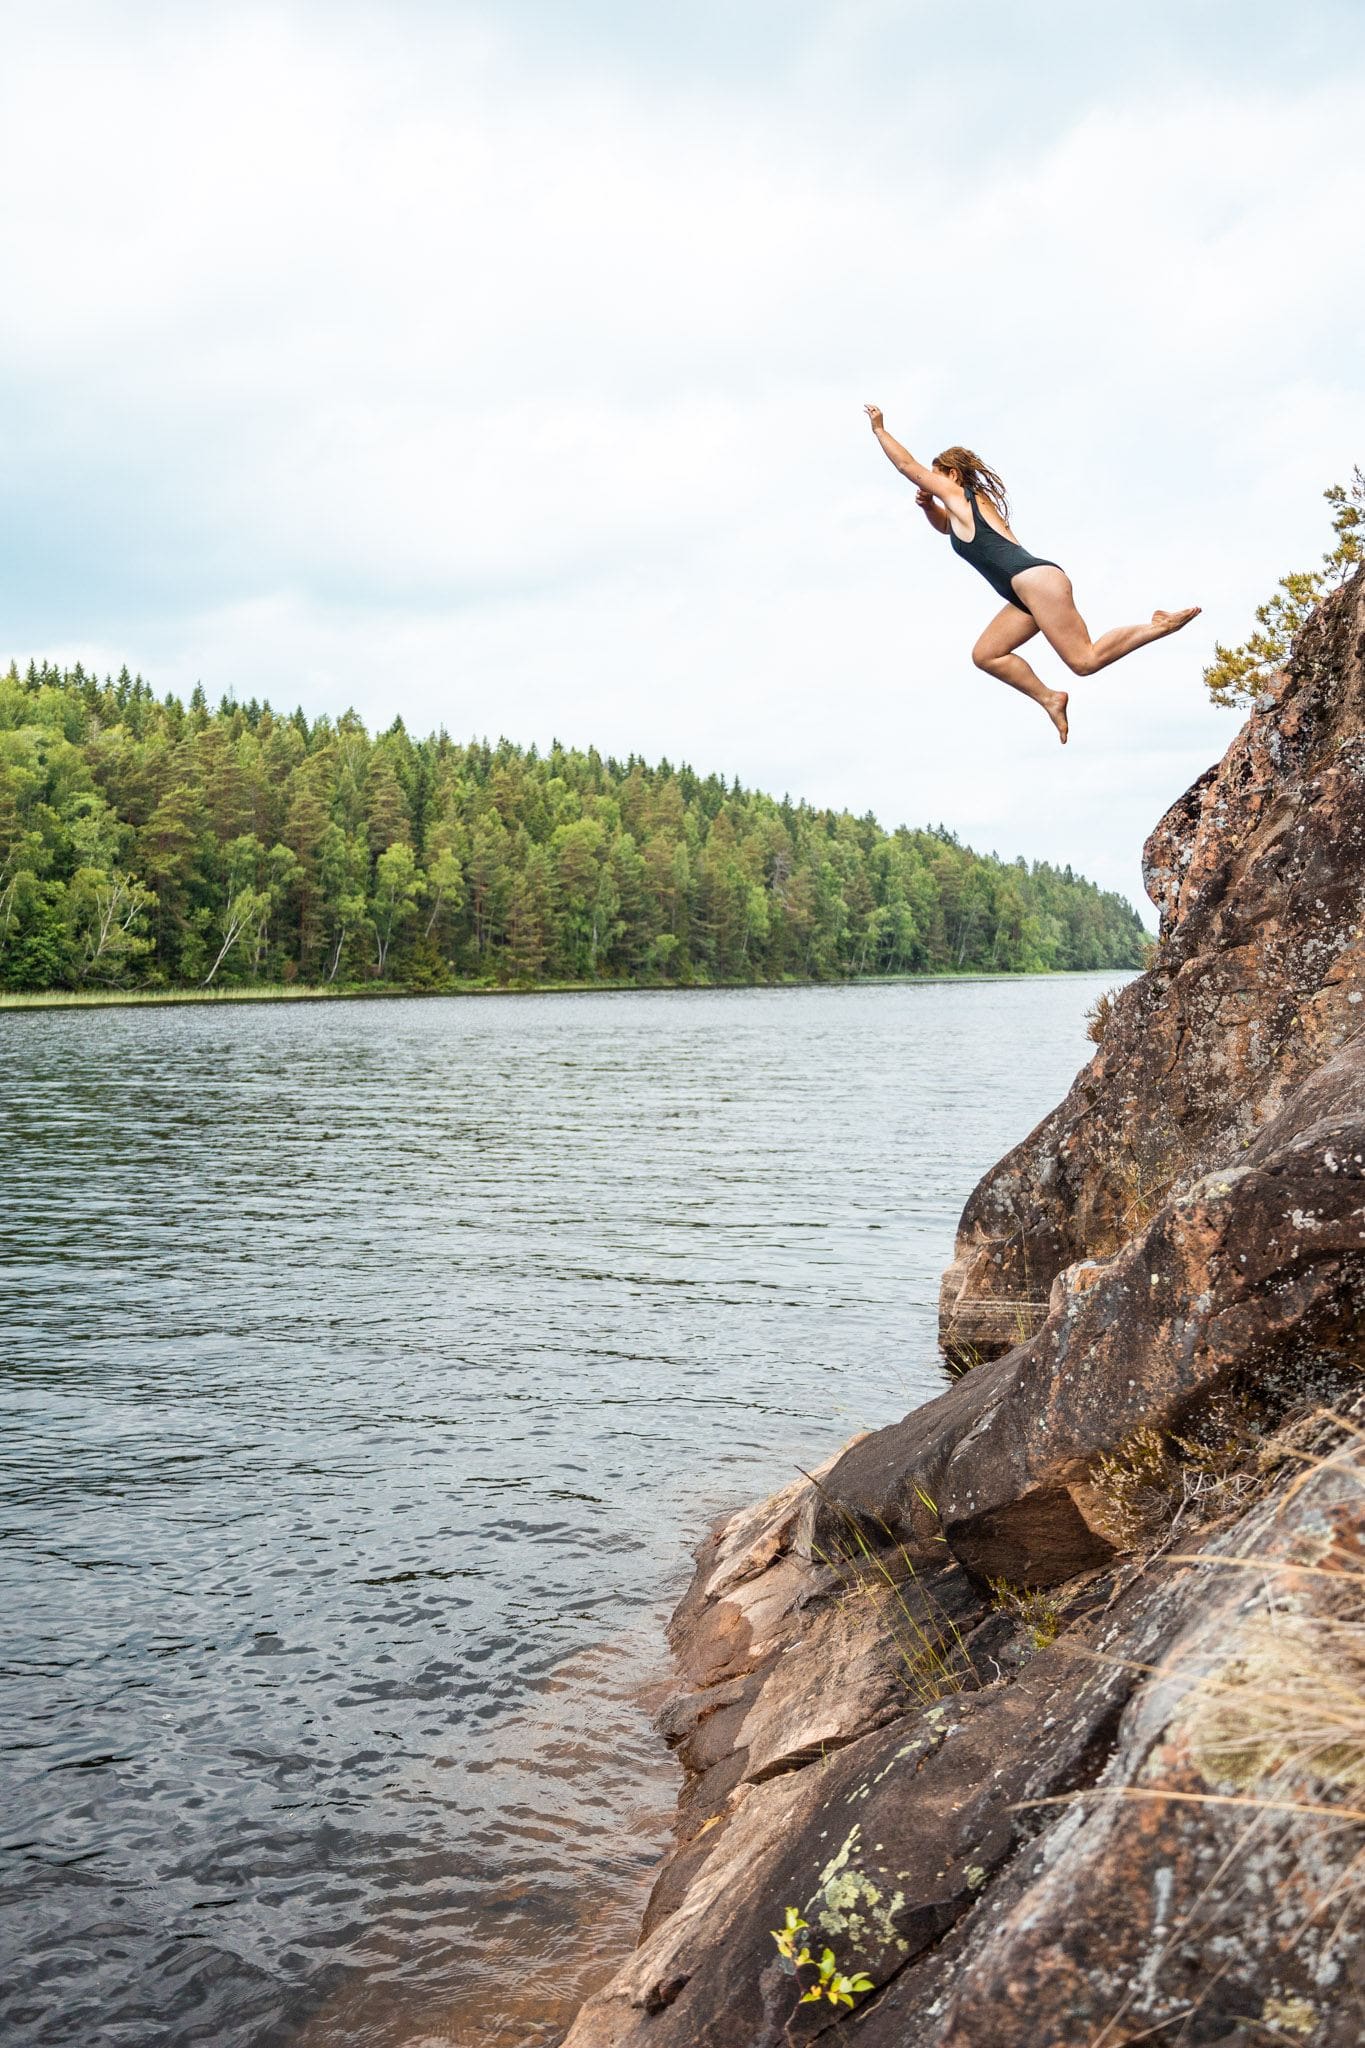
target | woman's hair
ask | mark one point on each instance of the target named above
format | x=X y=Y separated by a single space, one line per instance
x=973 y=475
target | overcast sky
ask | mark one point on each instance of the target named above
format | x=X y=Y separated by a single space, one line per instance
x=502 y=366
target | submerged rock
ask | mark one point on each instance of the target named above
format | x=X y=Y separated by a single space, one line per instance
x=1045 y=1707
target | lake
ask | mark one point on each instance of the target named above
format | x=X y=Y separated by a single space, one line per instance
x=369 y=1371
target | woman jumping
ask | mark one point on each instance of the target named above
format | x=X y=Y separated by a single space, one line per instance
x=959 y=496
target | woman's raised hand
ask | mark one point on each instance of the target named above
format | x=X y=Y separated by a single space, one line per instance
x=874 y=413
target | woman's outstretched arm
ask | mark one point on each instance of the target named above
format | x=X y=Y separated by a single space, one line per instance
x=919 y=473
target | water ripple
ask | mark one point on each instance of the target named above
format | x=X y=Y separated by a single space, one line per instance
x=367 y=1371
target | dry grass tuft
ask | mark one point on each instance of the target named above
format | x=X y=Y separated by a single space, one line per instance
x=1140 y=1190
x=1157 y=1480
x=925 y=1642
x=1098 y=1018
x=1289 y=1713
x=1276 y=1730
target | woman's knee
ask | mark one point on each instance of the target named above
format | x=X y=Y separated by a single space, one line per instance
x=1086 y=663
x=982 y=656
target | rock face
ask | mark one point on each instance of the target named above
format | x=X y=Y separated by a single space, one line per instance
x=923 y=1853
x=1259 y=874
x=1045 y=1707
x=1252 y=1279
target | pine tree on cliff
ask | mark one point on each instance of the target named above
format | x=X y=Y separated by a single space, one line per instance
x=1238 y=675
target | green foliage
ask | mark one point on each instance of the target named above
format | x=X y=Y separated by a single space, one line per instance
x=830 y=1982
x=788 y=1937
x=146 y=844
x=1237 y=675
x=1035 y=1609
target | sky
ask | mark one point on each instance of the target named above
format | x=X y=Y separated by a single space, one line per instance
x=501 y=367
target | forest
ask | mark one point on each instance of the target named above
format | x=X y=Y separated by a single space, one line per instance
x=146 y=843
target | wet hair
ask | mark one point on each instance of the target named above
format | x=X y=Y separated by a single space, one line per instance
x=973 y=475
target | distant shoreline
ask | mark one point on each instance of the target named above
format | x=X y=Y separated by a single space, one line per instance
x=111 y=999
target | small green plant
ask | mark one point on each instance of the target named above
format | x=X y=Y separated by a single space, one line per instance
x=1037 y=1610
x=788 y=1937
x=1237 y=675
x=830 y=1982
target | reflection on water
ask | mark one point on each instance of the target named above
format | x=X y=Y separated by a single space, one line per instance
x=368 y=1371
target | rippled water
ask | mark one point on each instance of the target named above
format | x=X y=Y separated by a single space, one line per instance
x=368 y=1371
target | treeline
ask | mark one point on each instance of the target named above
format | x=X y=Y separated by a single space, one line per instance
x=149 y=843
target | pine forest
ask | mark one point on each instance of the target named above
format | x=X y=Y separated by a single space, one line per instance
x=145 y=844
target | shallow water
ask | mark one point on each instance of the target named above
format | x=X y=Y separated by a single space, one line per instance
x=368 y=1371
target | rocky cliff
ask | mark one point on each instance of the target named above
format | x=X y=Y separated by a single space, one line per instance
x=1044 y=1709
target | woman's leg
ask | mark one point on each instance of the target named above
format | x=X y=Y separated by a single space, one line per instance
x=995 y=653
x=1050 y=600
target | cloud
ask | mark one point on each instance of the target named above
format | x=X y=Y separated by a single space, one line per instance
x=411 y=358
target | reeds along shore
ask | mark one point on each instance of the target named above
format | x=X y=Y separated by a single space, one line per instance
x=303 y=992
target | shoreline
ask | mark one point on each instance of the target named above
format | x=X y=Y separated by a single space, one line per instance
x=917 y=1686
x=19 y=1001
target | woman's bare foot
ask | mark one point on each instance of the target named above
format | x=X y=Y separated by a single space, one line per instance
x=1055 y=707
x=1171 y=622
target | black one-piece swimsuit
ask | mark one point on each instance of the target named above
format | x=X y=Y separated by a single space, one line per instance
x=998 y=559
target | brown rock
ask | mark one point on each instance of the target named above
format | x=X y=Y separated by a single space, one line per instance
x=1254 y=1274
x=884 y=1848
x=1259 y=873
x=1169 y=1899
x=927 y=1855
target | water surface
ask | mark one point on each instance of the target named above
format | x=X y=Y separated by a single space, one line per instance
x=368 y=1372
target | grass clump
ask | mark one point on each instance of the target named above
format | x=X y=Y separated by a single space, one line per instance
x=1099 y=1017
x=1009 y=1319
x=931 y=1658
x=1033 y=1607
x=1157 y=1479
x=1141 y=1188
x=1289 y=1708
